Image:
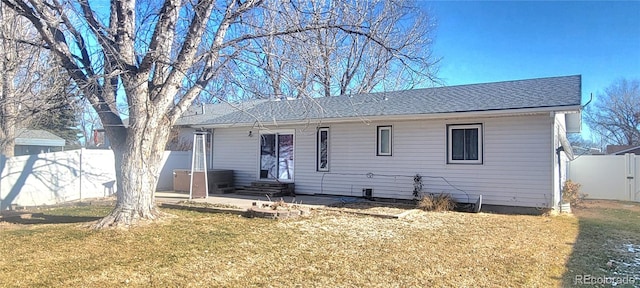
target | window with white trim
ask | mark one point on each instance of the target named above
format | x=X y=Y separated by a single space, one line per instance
x=322 y=150
x=384 y=141
x=464 y=144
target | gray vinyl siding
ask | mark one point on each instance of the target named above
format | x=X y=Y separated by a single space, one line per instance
x=515 y=170
x=234 y=149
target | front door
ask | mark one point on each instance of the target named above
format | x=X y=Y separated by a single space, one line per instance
x=276 y=156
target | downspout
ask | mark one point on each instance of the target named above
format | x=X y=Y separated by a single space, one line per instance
x=558 y=151
x=210 y=163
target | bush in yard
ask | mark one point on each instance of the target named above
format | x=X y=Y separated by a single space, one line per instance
x=439 y=202
x=571 y=193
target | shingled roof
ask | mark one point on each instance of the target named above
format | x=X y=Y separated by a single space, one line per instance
x=553 y=93
x=202 y=113
x=38 y=138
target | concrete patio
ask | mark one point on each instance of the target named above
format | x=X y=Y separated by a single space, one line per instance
x=245 y=201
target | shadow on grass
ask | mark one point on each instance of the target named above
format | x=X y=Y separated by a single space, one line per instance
x=28 y=218
x=600 y=253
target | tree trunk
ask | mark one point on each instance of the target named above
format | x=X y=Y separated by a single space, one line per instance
x=8 y=141
x=137 y=163
x=8 y=111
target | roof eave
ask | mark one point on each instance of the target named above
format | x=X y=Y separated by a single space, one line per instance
x=445 y=115
x=40 y=142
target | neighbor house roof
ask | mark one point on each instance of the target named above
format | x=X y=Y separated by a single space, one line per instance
x=203 y=112
x=532 y=95
x=38 y=138
x=622 y=149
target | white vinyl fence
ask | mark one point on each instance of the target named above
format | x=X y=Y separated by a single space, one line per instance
x=612 y=177
x=172 y=160
x=52 y=178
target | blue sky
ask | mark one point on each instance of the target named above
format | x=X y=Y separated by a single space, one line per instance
x=482 y=41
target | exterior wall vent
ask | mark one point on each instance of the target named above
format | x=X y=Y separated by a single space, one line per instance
x=367 y=193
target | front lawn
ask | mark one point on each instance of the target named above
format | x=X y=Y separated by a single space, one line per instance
x=426 y=249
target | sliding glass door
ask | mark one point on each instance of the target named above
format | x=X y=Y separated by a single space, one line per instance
x=276 y=156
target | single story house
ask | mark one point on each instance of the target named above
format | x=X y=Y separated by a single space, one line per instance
x=31 y=141
x=500 y=140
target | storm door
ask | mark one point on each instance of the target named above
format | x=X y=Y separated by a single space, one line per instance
x=276 y=156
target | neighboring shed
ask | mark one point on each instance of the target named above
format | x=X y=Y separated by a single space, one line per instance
x=30 y=141
x=499 y=140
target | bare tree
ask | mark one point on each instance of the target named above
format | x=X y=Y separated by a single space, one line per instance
x=88 y=121
x=32 y=83
x=615 y=115
x=328 y=62
x=157 y=59
x=583 y=146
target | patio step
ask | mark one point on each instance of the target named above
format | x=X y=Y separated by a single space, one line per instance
x=252 y=192
x=272 y=189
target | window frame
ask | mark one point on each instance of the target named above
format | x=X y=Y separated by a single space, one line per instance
x=319 y=149
x=379 y=140
x=480 y=145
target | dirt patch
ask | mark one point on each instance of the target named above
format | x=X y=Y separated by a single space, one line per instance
x=608 y=204
x=207 y=205
x=389 y=209
x=607 y=210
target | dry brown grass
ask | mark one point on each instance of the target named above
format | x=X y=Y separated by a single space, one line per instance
x=437 y=203
x=370 y=207
x=328 y=249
